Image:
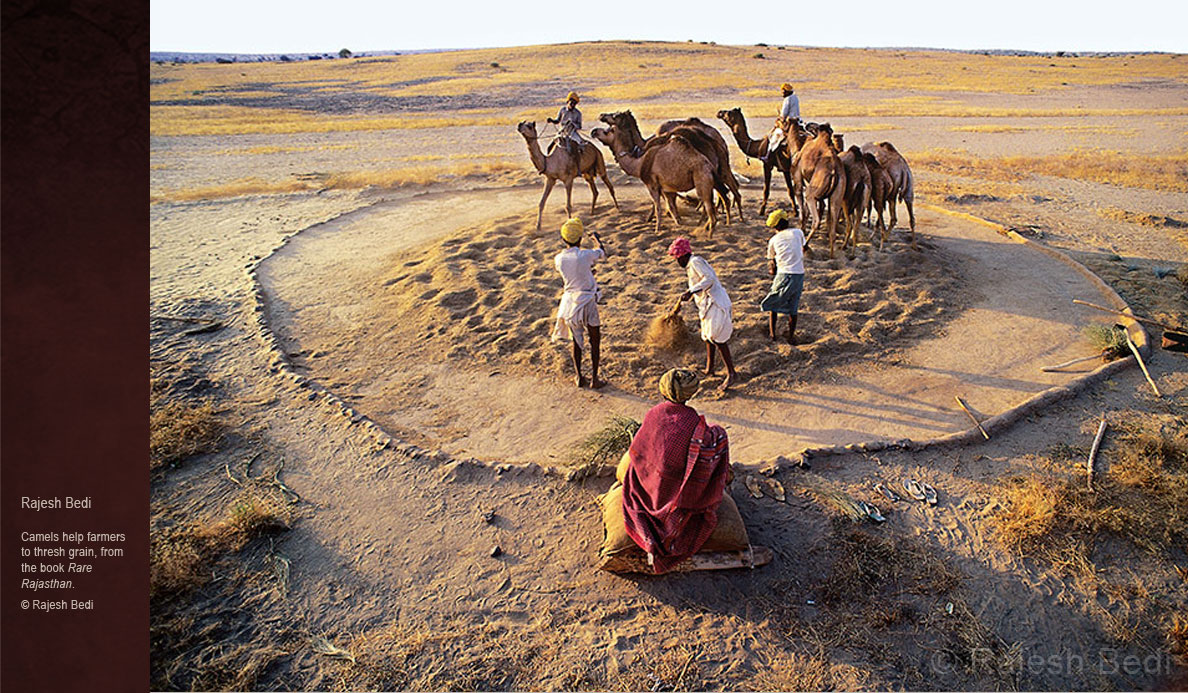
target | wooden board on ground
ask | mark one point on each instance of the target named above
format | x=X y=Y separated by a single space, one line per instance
x=723 y=560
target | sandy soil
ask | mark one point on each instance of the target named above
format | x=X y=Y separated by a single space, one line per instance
x=390 y=557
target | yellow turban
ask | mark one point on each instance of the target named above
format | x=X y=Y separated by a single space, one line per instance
x=678 y=385
x=572 y=96
x=571 y=230
x=786 y=87
x=774 y=217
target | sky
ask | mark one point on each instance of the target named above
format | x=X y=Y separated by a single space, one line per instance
x=325 y=26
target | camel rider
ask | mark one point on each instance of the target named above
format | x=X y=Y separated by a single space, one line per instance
x=569 y=122
x=789 y=110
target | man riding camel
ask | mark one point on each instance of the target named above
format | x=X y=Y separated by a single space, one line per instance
x=569 y=122
x=789 y=110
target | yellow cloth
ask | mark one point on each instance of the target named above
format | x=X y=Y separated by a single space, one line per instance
x=678 y=385
x=571 y=230
x=774 y=217
x=786 y=87
x=572 y=96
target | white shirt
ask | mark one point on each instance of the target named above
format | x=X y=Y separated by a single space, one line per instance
x=704 y=285
x=575 y=265
x=713 y=305
x=791 y=107
x=787 y=249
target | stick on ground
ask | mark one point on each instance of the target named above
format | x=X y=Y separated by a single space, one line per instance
x=1142 y=365
x=1049 y=369
x=1093 y=452
x=971 y=417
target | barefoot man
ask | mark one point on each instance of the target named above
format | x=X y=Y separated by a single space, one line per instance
x=713 y=306
x=785 y=262
x=578 y=311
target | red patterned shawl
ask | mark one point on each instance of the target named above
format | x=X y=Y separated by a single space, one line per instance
x=675 y=483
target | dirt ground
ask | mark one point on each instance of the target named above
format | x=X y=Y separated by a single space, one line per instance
x=427 y=308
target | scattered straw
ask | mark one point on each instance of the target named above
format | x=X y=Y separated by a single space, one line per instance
x=606 y=445
x=667 y=332
x=322 y=646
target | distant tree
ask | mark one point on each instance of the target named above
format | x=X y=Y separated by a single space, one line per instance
x=285 y=59
x=344 y=53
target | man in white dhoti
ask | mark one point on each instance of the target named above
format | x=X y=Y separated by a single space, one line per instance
x=578 y=311
x=713 y=306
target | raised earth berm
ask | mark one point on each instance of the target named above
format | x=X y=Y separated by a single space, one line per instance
x=427 y=319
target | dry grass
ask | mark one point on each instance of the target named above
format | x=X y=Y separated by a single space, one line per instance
x=1142 y=218
x=1141 y=499
x=350 y=180
x=605 y=446
x=1156 y=172
x=180 y=558
x=617 y=74
x=870 y=566
x=988 y=128
x=1107 y=340
x=174 y=121
x=180 y=429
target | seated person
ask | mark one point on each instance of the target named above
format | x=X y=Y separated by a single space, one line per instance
x=675 y=476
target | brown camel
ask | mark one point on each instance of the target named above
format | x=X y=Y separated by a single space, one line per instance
x=857 y=188
x=560 y=165
x=705 y=137
x=672 y=165
x=824 y=180
x=902 y=185
x=757 y=149
x=880 y=190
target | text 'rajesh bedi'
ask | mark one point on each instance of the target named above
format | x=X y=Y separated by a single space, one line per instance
x=28 y=503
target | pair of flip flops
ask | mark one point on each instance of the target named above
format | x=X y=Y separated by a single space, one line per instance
x=920 y=491
x=763 y=486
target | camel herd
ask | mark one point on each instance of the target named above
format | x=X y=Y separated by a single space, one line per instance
x=827 y=182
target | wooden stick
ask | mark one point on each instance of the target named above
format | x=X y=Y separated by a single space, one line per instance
x=1142 y=365
x=971 y=417
x=1093 y=452
x=1129 y=315
x=1049 y=369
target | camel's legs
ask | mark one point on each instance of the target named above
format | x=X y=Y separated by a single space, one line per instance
x=569 y=197
x=766 y=187
x=791 y=190
x=706 y=190
x=549 y=183
x=912 y=222
x=655 y=192
x=593 y=191
x=611 y=188
x=672 y=206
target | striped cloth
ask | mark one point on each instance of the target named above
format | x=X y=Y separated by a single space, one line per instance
x=674 y=484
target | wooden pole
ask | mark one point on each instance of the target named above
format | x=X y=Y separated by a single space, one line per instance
x=1142 y=365
x=971 y=417
x=1093 y=452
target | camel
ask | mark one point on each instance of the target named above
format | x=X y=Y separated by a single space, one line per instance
x=704 y=136
x=824 y=179
x=757 y=149
x=880 y=189
x=672 y=165
x=858 y=188
x=902 y=185
x=559 y=165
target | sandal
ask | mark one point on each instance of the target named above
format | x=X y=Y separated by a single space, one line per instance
x=891 y=495
x=871 y=511
x=913 y=489
x=929 y=494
